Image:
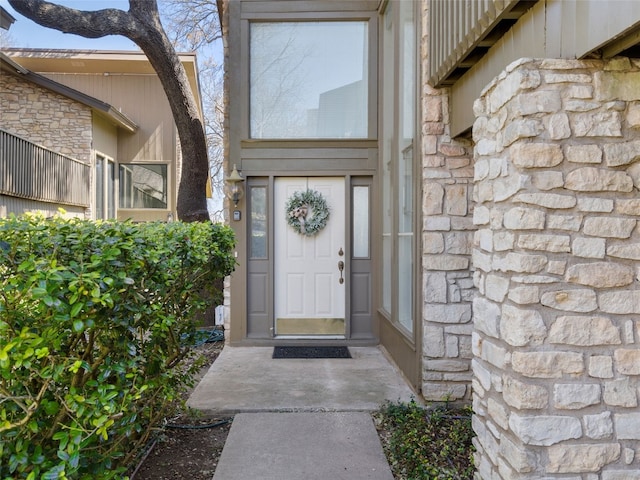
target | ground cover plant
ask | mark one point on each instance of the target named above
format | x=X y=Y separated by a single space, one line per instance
x=431 y=443
x=96 y=320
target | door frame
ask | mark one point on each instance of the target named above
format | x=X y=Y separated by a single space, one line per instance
x=254 y=277
x=338 y=251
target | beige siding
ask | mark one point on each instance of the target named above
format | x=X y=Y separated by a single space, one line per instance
x=105 y=137
x=141 y=98
x=552 y=29
x=590 y=24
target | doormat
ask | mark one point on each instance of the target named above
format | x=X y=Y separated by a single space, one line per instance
x=311 y=352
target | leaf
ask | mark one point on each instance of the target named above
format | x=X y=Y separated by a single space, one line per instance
x=75 y=309
x=38 y=292
x=74 y=459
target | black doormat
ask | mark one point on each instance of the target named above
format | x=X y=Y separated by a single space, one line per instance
x=311 y=352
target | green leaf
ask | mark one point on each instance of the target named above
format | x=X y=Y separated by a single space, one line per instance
x=75 y=309
x=38 y=291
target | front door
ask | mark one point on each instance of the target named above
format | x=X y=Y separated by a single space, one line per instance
x=310 y=266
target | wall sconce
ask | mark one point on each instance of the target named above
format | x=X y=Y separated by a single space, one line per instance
x=234 y=188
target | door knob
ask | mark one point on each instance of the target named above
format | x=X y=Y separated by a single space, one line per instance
x=341 y=268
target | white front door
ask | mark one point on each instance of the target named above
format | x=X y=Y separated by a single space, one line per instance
x=310 y=283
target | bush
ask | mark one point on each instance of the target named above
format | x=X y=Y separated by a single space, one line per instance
x=95 y=321
x=427 y=443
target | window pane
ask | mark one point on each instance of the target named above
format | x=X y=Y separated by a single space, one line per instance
x=143 y=186
x=111 y=186
x=258 y=222
x=99 y=187
x=361 y=222
x=388 y=123
x=309 y=80
x=404 y=191
x=405 y=281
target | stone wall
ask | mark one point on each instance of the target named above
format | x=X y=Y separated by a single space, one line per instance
x=447 y=236
x=45 y=118
x=556 y=337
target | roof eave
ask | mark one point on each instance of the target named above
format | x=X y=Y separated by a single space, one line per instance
x=102 y=108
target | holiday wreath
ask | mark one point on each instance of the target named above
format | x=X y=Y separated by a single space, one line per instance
x=307 y=212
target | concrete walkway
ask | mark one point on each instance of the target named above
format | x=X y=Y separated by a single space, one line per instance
x=247 y=379
x=300 y=419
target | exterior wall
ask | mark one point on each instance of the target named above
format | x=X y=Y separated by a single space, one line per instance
x=550 y=29
x=557 y=319
x=142 y=98
x=226 y=203
x=447 y=237
x=45 y=118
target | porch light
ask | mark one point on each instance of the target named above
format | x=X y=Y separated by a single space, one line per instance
x=234 y=188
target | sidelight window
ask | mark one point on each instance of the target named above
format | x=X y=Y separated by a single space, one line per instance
x=398 y=163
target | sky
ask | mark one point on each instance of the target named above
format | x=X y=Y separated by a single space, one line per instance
x=25 y=33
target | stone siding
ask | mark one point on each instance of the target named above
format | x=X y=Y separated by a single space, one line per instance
x=45 y=118
x=556 y=338
x=447 y=237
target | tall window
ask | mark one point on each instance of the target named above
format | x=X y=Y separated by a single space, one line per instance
x=309 y=79
x=397 y=155
x=105 y=188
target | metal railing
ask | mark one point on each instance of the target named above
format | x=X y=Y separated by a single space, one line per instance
x=30 y=171
x=456 y=27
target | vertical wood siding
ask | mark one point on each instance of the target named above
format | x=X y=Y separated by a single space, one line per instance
x=456 y=27
x=33 y=172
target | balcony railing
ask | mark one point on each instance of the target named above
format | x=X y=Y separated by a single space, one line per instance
x=461 y=31
x=30 y=171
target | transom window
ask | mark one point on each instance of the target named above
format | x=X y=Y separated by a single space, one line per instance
x=309 y=80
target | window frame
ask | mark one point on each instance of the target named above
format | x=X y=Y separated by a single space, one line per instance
x=105 y=161
x=391 y=184
x=281 y=17
x=167 y=186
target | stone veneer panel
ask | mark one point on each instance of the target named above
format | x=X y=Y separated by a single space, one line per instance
x=45 y=118
x=556 y=337
x=447 y=237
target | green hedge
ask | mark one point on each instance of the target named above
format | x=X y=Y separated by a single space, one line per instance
x=95 y=322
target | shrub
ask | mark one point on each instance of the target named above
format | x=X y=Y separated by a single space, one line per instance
x=95 y=321
x=427 y=443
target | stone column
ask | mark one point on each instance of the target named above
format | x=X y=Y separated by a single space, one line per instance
x=447 y=234
x=556 y=337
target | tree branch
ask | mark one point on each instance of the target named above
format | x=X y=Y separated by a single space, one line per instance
x=142 y=25
x=88 y=24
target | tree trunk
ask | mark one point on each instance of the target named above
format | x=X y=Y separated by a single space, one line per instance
x=142 y=25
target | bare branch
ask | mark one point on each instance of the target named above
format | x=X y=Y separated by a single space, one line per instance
x=193 y=23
